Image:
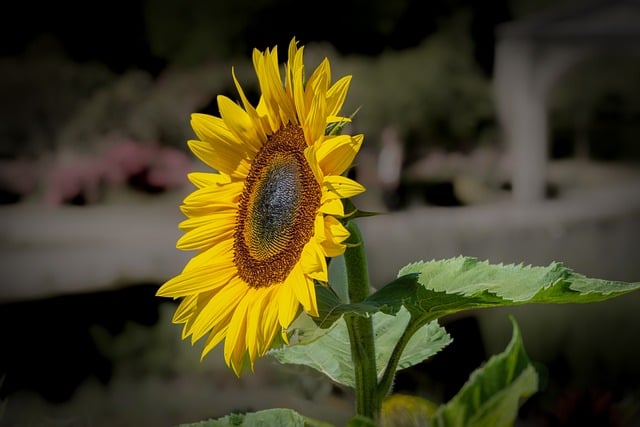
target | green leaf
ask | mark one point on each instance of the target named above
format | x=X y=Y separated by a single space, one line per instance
x=266 y=418
x=357 y=213
x=427 y=341
x=352 y=212
x=330 y=353
x=517 y=283
x=336 y=128
x=493 y=393
x=434 y=289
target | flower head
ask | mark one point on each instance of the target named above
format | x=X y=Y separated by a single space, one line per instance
x=264 y=223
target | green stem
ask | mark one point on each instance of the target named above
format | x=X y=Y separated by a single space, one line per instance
x=355 y=258
x=361 y=328
x=364 y=365
x=386 y=382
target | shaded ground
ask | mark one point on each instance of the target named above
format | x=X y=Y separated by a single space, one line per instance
x=81 y=369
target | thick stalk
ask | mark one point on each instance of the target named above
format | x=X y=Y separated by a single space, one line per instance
x=361 y=328
x=364 y=365
x=355 y=258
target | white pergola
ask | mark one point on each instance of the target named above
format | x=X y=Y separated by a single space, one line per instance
x=532 y=55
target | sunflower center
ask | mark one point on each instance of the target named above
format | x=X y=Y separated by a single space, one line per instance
x=277 y=210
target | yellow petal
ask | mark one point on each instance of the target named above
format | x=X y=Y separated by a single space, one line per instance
x=338 y=119
x=332 y=207
x=226 y=193
x=332 y=249
x=187 y=327
x=284 y=104
x=318 y=227
x=226 y=158
x=215 y=337
x=310 y=155
x=342 y=186
x=336 y=154
x=288 y=84
x=287 y=305
x=185 y=309
x=298 y=85
x=240 y=124
x=315 y=122
x=269 y=325
x=206 y=236
x=201 y=299
x=254 y=322
x=334 y=229
x=335 y=234
x=235 y=342
x=218 y=215
x=216 y=309
x=206 y=179
x=303 y=289
x=279 y=105
x=318 y=83
x=212 y=129
x=192 y=211
x=337 y=94
x=265 y=106
x=313 y=261
x=219 y=252
x=256 y=121
x=198 y=280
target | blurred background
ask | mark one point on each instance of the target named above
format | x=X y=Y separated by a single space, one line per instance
x=506 y=130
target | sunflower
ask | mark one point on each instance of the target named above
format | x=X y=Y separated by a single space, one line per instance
x=266 y=219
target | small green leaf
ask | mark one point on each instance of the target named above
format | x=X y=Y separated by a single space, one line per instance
x=493 y=393
x=336 y=128
x=269 y=417
x=357 y=213
x=352 y=212
x=330 y=353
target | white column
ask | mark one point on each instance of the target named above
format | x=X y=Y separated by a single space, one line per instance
x=522 y=115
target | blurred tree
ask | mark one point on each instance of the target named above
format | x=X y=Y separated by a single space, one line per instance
x=39 y=94
x=194 y=31
x=434 y=94
x=522 y=8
